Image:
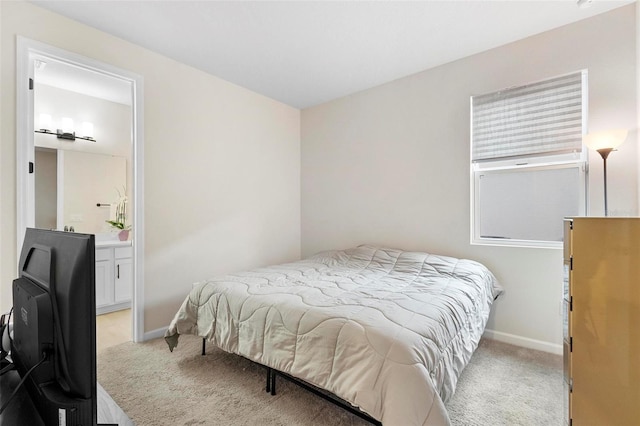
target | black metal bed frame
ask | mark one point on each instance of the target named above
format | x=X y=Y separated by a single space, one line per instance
x=271 y=388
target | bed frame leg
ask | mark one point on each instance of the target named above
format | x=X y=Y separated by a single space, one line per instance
x=273 y=382
x=268 y=387
x=204 y=345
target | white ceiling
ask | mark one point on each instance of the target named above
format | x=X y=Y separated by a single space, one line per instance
x=304 y=53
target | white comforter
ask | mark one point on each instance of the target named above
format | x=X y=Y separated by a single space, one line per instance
x=387 y=330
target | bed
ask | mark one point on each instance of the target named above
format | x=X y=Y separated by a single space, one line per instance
x=389 y=331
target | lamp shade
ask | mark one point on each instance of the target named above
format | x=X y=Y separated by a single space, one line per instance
x=608 y=139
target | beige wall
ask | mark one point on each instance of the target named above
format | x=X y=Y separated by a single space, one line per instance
x=390 y=165
x=222 y=164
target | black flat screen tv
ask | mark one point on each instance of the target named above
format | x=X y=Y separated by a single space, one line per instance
x=54 y=331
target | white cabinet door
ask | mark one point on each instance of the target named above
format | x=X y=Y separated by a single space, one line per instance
x=104 y=280
x=114 y=278
x=123 y=281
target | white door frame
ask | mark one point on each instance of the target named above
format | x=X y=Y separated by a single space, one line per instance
x=25 y=153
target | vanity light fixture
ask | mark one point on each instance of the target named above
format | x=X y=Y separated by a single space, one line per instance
x=66 y=132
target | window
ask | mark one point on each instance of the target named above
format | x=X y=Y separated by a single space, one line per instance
x=528 y=166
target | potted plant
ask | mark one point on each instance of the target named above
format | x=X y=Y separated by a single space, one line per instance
x=119 y=222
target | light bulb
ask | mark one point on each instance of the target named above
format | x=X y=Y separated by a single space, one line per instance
x=67 y=125
x=45 y=122
x=87 y=129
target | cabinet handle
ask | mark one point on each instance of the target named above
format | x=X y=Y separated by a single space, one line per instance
x=118 y=273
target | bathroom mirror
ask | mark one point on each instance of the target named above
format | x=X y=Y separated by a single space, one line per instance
x=79 y=190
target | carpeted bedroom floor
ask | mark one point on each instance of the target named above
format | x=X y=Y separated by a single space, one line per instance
x=503 y=385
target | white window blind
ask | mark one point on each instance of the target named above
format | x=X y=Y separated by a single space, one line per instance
x=536 y=119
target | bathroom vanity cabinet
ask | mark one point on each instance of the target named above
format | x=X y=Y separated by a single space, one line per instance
x=114 y=276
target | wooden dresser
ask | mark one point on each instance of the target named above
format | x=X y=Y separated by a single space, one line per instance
x=601 y=314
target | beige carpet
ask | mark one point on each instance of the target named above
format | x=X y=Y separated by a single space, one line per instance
x=503 y=385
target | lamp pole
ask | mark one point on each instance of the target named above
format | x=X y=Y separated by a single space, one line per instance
x=604 y=153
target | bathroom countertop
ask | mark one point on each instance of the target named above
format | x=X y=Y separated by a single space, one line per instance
x=112 y=243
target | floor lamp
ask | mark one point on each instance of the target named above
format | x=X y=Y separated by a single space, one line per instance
x=604 y=143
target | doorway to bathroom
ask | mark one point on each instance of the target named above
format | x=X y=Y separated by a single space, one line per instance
x=79 y=155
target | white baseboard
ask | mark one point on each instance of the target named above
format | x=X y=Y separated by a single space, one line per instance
x=524 y=342
x=154 y=334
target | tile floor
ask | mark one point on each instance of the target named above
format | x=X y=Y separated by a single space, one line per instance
x=112 y=329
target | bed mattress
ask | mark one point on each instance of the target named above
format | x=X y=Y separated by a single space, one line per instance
x=386 y=330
